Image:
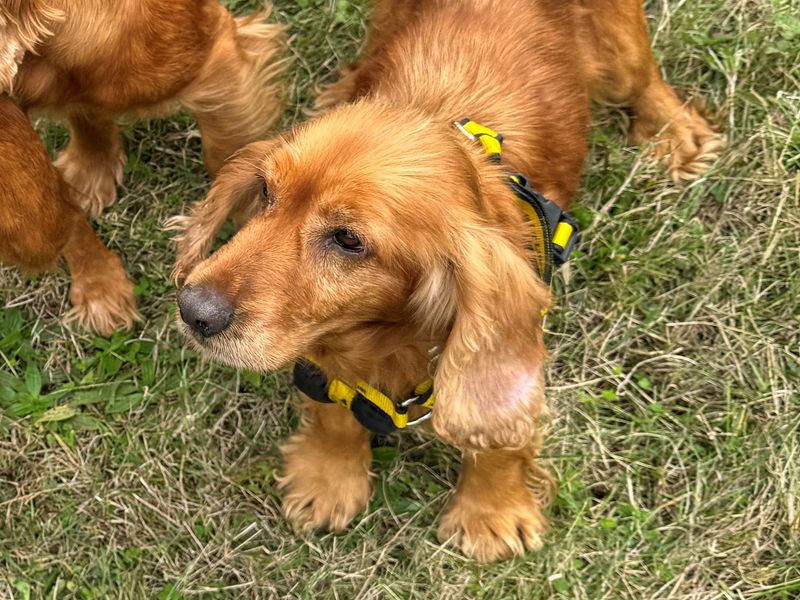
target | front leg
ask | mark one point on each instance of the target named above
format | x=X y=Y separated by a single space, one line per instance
x=327 y=476
x=93 y=161
x=495 y=513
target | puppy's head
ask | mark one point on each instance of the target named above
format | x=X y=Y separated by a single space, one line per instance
x=367 y=219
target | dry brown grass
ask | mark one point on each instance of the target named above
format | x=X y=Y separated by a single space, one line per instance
x=674 y=381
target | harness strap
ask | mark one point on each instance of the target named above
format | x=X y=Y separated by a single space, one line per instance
x=371 y=407
x=491 y=141
x=554 y=234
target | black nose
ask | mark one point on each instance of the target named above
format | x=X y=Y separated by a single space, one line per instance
x=204 y=309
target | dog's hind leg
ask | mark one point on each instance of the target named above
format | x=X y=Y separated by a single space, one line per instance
x=344 y=89
x=388 y=17
x=101 y=293
x=236 y=96
x=620 y=69
x=93 y=160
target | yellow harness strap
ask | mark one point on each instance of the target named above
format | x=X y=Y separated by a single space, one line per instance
x=538 y=235
x=343 y=394
x=373 y=409
x=554 y=232
x=491 y=141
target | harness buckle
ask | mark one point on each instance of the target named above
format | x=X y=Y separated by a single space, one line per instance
x=562 y=228
x=565 y=237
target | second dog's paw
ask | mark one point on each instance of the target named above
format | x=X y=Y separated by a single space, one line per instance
x=93 y=181
x=103 y=300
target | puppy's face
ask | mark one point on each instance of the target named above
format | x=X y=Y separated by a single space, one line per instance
x=364 y=220
x=345 y=221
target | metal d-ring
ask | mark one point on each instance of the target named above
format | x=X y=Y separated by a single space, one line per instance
x=417 y=421
x=409 y=402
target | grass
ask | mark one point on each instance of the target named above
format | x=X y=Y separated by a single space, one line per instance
x=131 y=469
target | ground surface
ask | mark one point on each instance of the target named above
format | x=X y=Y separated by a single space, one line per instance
x=673 y=380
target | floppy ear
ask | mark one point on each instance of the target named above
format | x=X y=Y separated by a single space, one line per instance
x=235 y=191
x=488 y=383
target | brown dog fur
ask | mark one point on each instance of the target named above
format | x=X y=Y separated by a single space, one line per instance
x=32 y=191
x=93 y=60
x=444 y=281
x=23 y=24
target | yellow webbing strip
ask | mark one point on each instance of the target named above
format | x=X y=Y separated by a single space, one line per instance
x=489 y=138
x=341 y=393
x=382 y=402
x=537 y=234
x=423 y=388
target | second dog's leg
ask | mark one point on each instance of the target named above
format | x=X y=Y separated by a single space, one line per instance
x=101 y=293
x=93 y=160
x=614 y=44
x=388 y=17
x=236 y=97
x=326 y=472
x=495 y=514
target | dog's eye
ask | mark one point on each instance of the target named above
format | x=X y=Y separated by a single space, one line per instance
x=266 y=195
x=348 y=241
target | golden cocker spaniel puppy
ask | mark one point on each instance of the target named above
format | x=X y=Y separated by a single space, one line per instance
x=388 y=247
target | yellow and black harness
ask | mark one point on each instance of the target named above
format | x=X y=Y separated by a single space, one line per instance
x=373 y=409
x=554 y=234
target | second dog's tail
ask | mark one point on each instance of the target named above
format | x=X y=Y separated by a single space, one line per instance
x=238 y=95
x=264 y=45
x=22 y=26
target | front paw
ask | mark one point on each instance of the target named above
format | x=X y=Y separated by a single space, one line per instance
x=324 y=489
x=489 y=529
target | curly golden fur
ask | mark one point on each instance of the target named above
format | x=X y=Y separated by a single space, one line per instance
x=23 y=25
x=90 y=61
